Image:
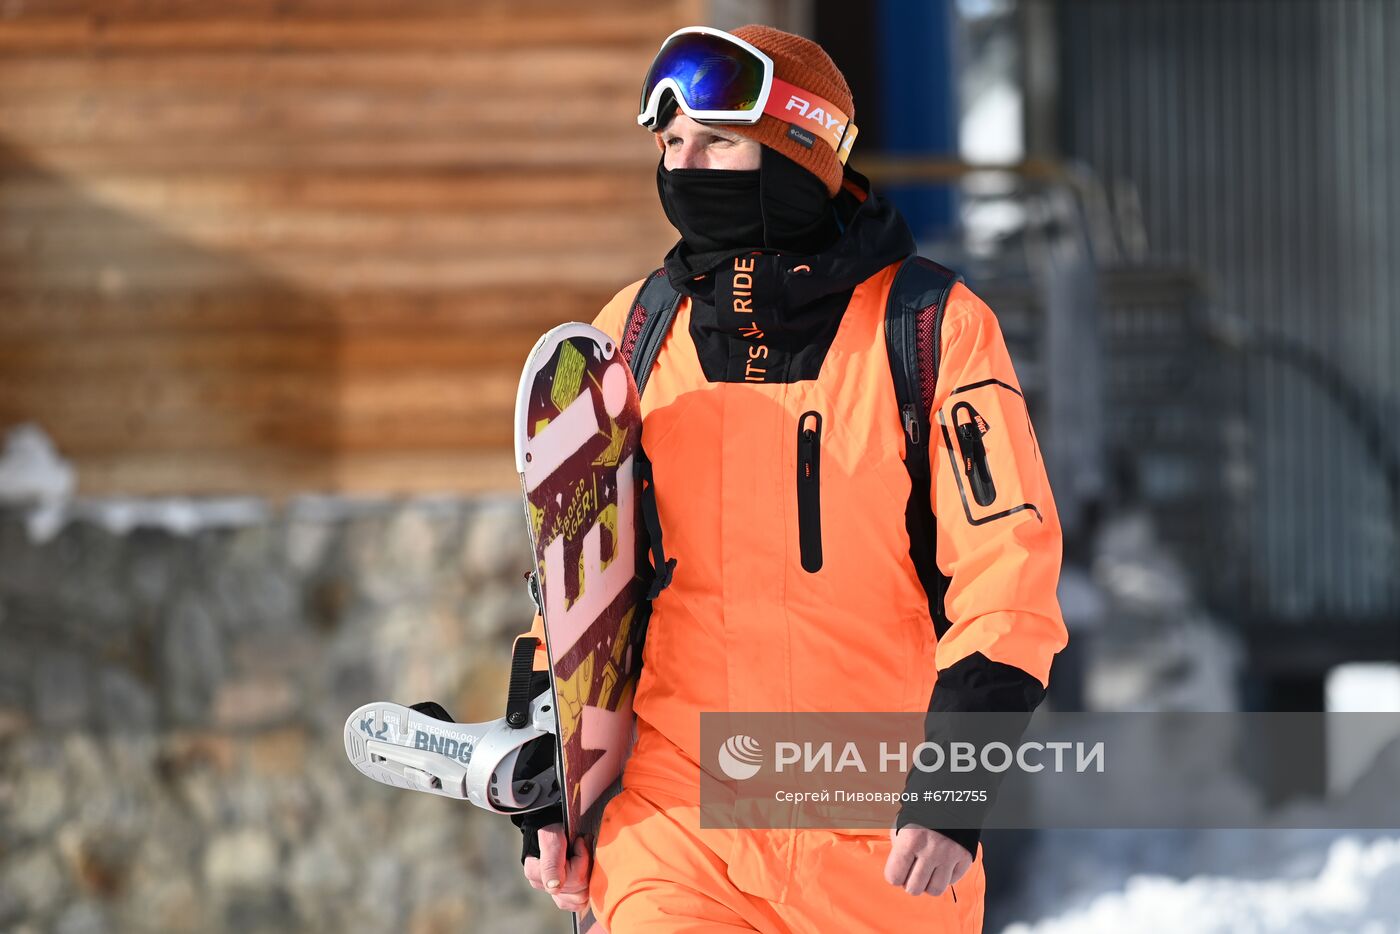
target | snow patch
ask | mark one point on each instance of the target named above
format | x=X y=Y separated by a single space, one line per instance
x=36 y=478
x=1356 y=889
x=31 y=469
x=32 y=474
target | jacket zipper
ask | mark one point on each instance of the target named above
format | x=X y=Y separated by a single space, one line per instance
x=809 y=501
x=910 y=417
x=974 y=454
x=913 y=393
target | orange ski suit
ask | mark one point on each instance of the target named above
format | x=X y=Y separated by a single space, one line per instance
x=744 y=626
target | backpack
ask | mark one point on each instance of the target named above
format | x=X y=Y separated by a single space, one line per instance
x=913 y=327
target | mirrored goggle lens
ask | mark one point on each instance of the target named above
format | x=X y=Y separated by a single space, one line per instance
x=712 y=73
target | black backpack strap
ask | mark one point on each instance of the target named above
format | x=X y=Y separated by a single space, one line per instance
x=648 y=323
x=661 y=566
x=913 y=339
x=913 y=330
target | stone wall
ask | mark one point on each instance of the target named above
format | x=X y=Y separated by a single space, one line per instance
x=171 y=709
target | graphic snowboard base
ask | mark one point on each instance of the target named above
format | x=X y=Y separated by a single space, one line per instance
x=577 y=439
x=577 y=443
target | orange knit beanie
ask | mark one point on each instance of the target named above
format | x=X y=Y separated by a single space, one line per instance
x=803 y=63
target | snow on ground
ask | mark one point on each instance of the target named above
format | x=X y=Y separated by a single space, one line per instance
x=1356 y=889
x=1160 y=650
x=31 y=468
x=37 y=480
x=34 y=477
x=32 y=474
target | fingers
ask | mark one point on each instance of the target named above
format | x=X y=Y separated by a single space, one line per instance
x=912 y=863
x=938 y=880
x=924 y=862
x=960 y=868
x=901 y=860
x=572 y=895
x=924 y=870
x=570 y=889
x=573 y=898
x=580 y=862
x=577 y=901
x=552 y=856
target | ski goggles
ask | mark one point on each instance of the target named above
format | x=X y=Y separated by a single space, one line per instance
x=716 y=77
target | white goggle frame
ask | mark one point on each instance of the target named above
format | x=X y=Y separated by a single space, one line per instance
x=648 y=116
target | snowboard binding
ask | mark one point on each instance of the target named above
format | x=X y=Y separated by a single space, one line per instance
x=502 y=768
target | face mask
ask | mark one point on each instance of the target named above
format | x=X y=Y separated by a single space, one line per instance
x=779 y=205
x=713 y=209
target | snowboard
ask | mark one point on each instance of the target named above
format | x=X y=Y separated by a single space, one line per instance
x=577 y=433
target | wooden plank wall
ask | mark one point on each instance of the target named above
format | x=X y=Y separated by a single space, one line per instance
x=274 y=246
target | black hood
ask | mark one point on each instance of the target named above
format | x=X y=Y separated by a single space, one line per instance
x=797 y=298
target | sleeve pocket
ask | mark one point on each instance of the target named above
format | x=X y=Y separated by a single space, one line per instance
x=991 y=449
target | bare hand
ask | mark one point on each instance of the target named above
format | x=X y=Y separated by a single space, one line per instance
x=923 y=861
x=566 y=882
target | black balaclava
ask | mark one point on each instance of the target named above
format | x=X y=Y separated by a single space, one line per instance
x=780 y=205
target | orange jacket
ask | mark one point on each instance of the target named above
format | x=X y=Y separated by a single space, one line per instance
x=743 y=626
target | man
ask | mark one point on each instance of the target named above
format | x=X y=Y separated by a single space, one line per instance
x=788 y=597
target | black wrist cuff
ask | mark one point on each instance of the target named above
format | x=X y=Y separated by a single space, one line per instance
x=530 y=824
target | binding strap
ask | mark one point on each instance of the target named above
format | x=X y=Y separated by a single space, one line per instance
x=522 y=663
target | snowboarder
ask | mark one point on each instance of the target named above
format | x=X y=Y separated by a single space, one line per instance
x=834 y=550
